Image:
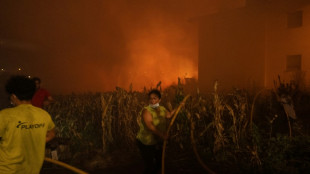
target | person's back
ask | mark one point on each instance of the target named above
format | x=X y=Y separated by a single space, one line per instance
x=24 y=130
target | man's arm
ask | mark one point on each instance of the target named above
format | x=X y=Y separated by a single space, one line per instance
x=50 y=135
x=48 y=101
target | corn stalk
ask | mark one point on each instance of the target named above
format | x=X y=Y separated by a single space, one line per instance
x=218 y=122
x=106 y=131
x=207 y=169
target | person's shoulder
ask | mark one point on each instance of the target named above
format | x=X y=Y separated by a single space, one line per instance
x=145 y=108
x=7 y=113
x=3 y=115
x=162 y=108
x=44 y=114
x=40 y=110
x=5 y=110
x=43 y=90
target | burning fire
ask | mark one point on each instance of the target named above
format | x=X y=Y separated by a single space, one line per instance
x=151 y=62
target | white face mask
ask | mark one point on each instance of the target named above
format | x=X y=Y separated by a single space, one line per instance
x=154 y=105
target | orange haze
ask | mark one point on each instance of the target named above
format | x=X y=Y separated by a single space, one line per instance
x=78 y=46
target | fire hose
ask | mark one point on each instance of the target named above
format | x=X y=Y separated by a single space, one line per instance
x=67 y=166
x=165 y=142
x=192 y=140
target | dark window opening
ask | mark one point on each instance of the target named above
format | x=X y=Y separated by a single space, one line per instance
x=294 y=19
x=293 y=63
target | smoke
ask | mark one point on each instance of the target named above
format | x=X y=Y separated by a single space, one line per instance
x=98 y=45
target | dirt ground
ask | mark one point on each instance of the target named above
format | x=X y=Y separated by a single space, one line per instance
x=128 y=163
x=134 y=168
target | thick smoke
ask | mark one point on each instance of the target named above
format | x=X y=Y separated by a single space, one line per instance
x=77 y=46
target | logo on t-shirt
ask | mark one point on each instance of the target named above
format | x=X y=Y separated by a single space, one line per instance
x=26 y=125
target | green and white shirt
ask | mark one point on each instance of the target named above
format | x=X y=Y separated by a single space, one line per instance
x=159 y=121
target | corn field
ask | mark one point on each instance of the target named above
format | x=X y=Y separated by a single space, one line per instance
x=232 y=132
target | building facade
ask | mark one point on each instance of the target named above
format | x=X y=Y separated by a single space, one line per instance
x=250 y=46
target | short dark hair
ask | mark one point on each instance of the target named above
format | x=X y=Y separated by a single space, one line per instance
x=21 y=86
x=36 y=79
x=156 y=92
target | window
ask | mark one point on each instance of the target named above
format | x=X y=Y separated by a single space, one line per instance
x=293 y=63
x=294 y=19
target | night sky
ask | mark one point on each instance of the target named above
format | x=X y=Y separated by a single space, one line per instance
x=80 y=46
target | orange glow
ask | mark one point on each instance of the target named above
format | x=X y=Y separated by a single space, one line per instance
x=161 y=46
x=98 y=45
x=152 y=62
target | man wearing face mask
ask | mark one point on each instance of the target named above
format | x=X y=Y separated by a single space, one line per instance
x=152 y=132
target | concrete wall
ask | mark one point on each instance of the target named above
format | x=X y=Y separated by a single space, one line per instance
x=232 y=50
x=282 y=41
x=248 y=47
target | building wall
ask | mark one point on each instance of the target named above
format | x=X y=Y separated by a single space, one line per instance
x=282 y=41
x=231 y=50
